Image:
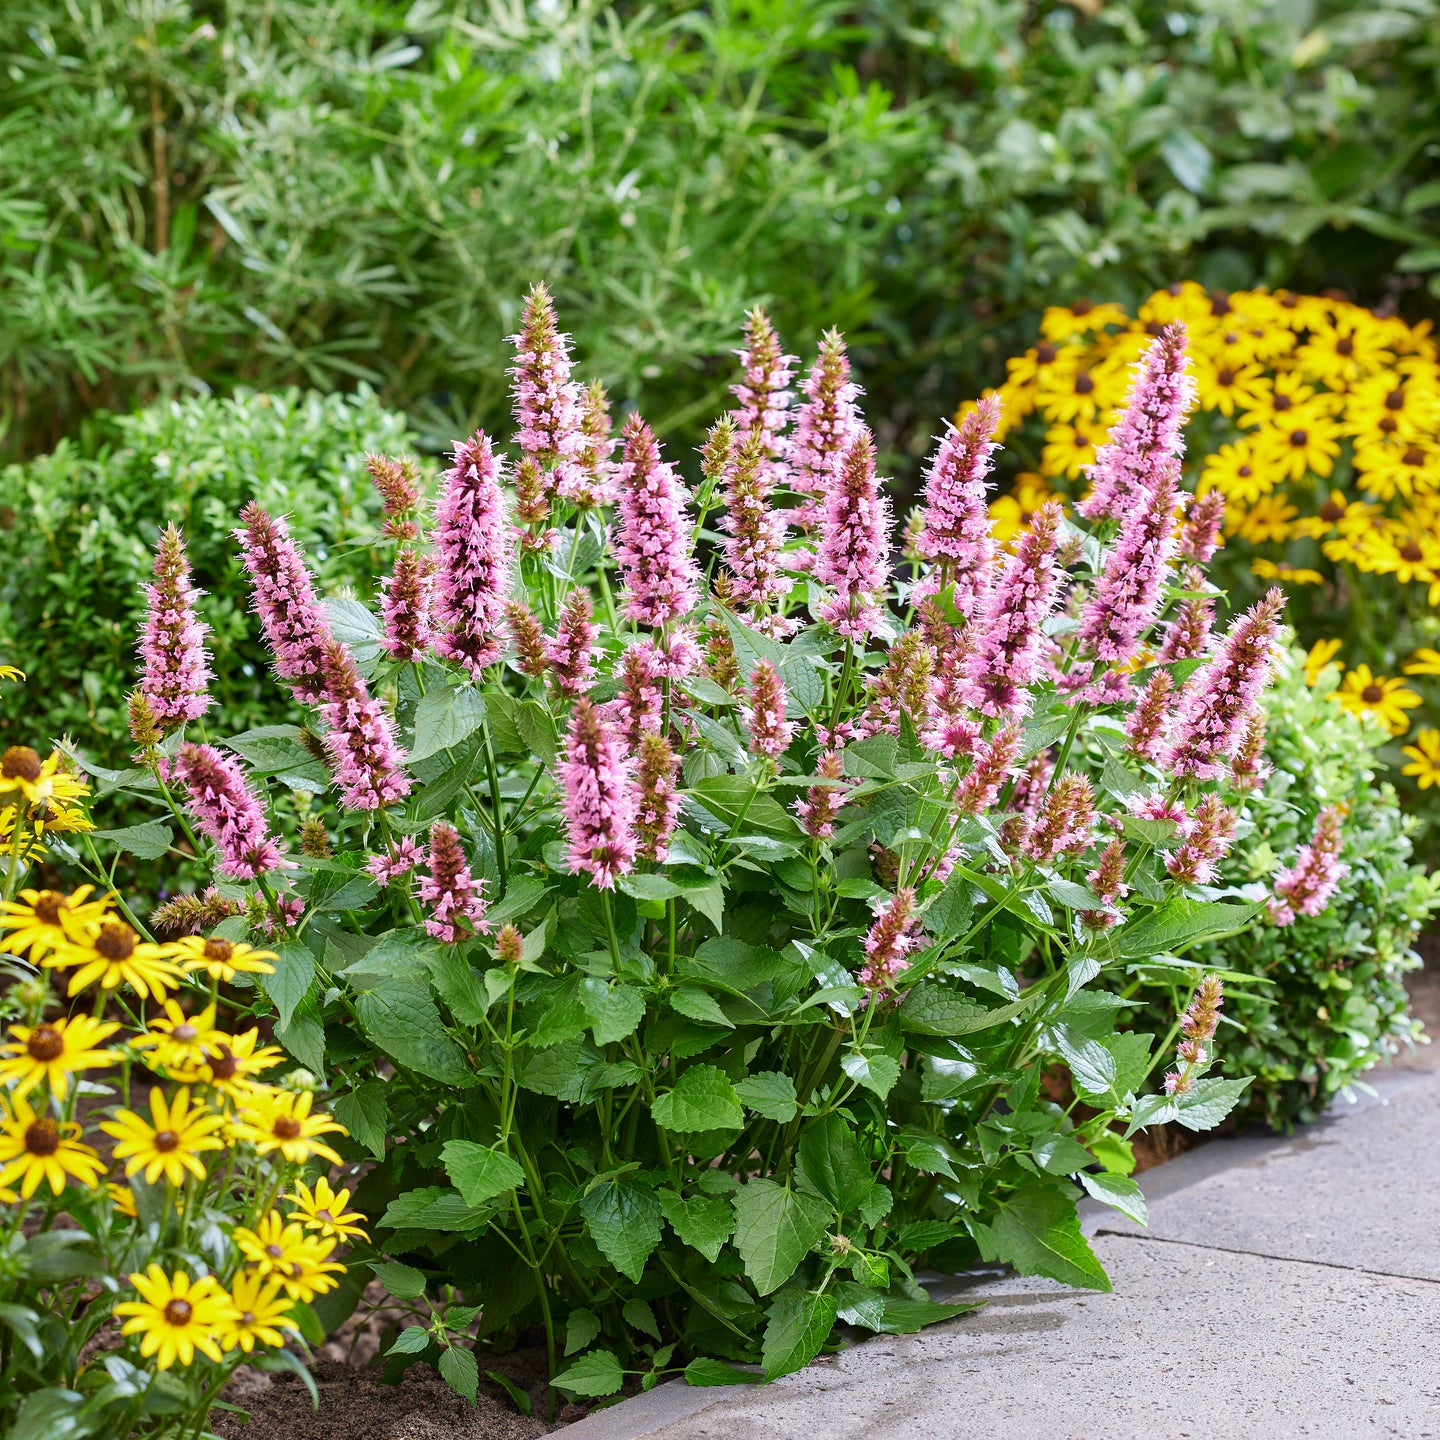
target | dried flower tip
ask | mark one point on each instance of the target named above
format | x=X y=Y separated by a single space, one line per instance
x=817 y=811
x=144 y=729
x=1147 y=721
x=405 y=607
x=891 y=938
x=549 y=410
x=509 y=945
x=529 y=639
x=1200 y=531
x=192 y=914
x=1062 y=825
x=1308 y=886
x=398 y=483
x=315 y=839
x=763 y=391
x=360 y=744
x=1210 y=832
x=596 y=485
x=657 y=798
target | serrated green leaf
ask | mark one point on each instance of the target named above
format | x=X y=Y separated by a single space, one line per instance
x=480 y=1172
x=930 y=1009
x=592 y=1375
x=1181 y=923
x=832 y=1161
x=1208 y=1102
x=1037 y=1231
x=703 y=1222
x=582 y=1328
x=1118 y=1191
x=698 y=1004
x=444 y=718
x=294 y=974
x=769 y=1093
x=704 y=1371
x=410 y=1341
x=797 y=1324
x=401 y=1018
x=363 y=1112
x=404 y=1282
x=775 y=1229
x=623 y=1218
x=703 y=1099
x=460 y=1371
x=873 y=1071
x=149 y=841
x=614 y=1010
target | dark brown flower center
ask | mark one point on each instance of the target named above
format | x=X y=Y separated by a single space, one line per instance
x=1245 y=472
x=1411 y=551
x=1081 y=307
x=1226 y=377
x=326 y=1216
x=1345 y=345
x=166 y=1141
x=1413 y=456
x=287 y=1128
x=48 y=907
x=274 y=1251
x=115 y=941
x=1231 y=338
x=1395 y=400
x=20 y=762
x=42 y=1138
x=1331 y=511
x=1283 y=402
x=1372 y=694
x=247 y=1317
x=1388 y=424
x=46 y=1043
x=1219 y=303
x=1084 y=385
x=1153 y=327
x=1045 y=353
x=178 y=1313
x=184 y=1033
x=223 y=1064
x=1299 y=439
x=218 y=950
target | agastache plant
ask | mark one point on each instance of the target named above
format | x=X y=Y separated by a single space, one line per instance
x=674 y=878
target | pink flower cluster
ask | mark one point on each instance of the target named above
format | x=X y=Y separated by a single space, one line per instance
x=226 y=811
x=550 y=409
x=854 y=556
x=454 y=895
x=1307 y=887
x=172 y=641
x=661 y=581
x=361 y=740
x=598 y=798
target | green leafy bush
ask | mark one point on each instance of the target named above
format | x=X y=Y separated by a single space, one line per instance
x=273 y=194
x=82 y=530
x=1335 y=1005
x=731 y=992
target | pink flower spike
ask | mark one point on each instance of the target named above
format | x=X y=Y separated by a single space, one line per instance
x=955 y=535
x=1126 y=599
x=398 y=484
x=637 y=709
x=1010 y=641
x=763 y=391
x=1148 y=432
x=817 y=811
x=891 y=938
x=405 y=607
x=1215 y=705
x=657 y=797
x=597 y=484
x=854 y=558
x=295 y=624
x=405 y=856
x=598 y=799
x=1210 y=832
x=172 y=641
x=654 y=548
x=226 y=811
x=454 y=895
x=1063 y=821
x=549 y=407
x=361 y=739
x=1200 y=533
x=1308 y=886
x=826 y=424
x=755 y=531
x=473 y=556
x=770 y=731
x=571 y=653
x=994 y=760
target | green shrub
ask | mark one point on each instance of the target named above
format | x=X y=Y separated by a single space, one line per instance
x=1336 y=1004
x=360 y=190
x=82 y=533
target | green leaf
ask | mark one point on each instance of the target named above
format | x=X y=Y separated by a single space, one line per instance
x=927 y=1152
x=798 y=1323
x=410 y=1341
x=639 y=1316
x=592 y=1375
x=444 y=718
x=703 y=1222
x=1037 y=1231
x=949 y=913
x=1118 y=1191
x=775 y=1229
x=726 y=796
x=1060 y=1154
x=404 y=1282
x=875 y=1072
x=294 y=974
x=304 y=1036
x=581 y=1329
x=460 y=1371
x=1091 y=1064
x=697 y=1004
x=519 y=1398
x=363 y=1112
x=479 y=1172
x=769 y=1093
x=435 y=1207
x=1181 y=923
x=1131 y=1053
x=623 y=1218
x=457 y=983
x=1208 y=1102
x=904 y=1316
x=931 y=1009
x=146 y=842
x=1151 y=1110
x=52 y=1415
x=832 y=1161
x=703 y=1099
x=401 y=1018
x=704 y=1371
x=537 y=729
x=614 y=1010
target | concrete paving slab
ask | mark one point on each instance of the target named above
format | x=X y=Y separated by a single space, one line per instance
x=1361 y=1192
x=1193 y=1342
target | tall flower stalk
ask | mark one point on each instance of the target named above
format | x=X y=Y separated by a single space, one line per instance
x=172 y=643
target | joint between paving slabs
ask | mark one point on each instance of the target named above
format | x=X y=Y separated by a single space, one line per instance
x=1267 y=1255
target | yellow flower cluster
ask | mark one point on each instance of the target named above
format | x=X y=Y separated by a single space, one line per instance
x=1318 y=420
x=37 y=795
x=219 y=1105
x=285 y=1260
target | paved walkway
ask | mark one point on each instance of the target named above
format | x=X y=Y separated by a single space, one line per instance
x=1285 y=1287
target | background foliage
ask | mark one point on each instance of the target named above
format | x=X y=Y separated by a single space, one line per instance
x=200 y=194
